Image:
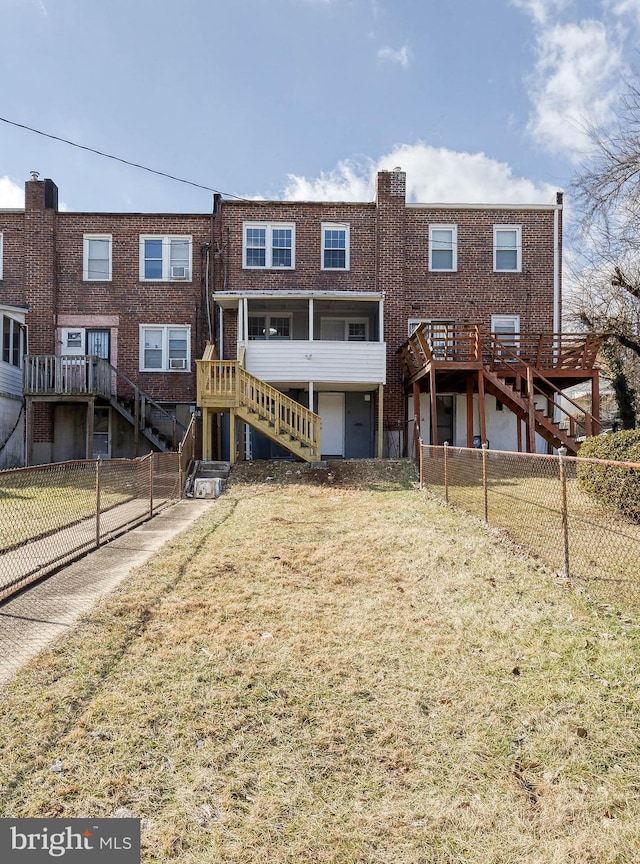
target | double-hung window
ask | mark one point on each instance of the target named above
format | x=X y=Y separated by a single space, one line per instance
x=165 y=258
x=507 y=248
x=165 y=348
x=13 y=341
x=96 y=259
x=268 y=245
x=443 y=248
x=335 y=246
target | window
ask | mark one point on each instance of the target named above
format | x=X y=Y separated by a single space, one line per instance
x=273 y=327
x=268 y=245
x=165 y=259
x=335 y=246
x=0 y=254
x=13 y=341
x=506 y=328
x=96 y=261
x=344 y=329
x=164 y=348
x=443 y=247
x=507 y=248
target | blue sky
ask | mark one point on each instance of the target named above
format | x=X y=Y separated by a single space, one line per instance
x=477 y=100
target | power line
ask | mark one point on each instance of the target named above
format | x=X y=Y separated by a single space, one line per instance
x=118 y=159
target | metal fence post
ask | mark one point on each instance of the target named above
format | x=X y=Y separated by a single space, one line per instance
x=485 y=485
x=446 y=472
x=151 y=483
x=562 y=452
x=98 y=505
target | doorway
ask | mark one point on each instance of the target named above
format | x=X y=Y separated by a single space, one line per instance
x=331 y=411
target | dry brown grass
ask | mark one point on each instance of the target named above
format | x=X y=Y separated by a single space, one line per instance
x=325 y=673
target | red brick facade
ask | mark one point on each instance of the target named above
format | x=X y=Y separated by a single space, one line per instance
x=389 y=254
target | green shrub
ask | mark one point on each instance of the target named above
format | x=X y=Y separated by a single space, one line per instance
x=614 y=486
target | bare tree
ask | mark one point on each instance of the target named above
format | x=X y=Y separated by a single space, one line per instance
x=607 y=243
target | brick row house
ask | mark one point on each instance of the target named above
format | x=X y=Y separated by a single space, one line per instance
x=312 y=329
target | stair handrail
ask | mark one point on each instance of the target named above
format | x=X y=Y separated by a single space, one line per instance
x=141 y=399
x=505 y=351
x=287 y=415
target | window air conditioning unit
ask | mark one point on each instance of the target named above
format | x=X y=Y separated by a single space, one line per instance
x=179 y=271
x=177 y=363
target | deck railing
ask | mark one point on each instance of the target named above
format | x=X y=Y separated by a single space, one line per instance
x=460 y=343
x=225 y=384
x=88 y=375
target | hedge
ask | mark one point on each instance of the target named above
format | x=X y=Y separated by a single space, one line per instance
x=614 y=486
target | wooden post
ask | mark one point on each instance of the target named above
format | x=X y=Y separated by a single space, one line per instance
x=445 y=451
x=206 y=434
x=485 y=484
x=416 y=417
x=481 y=407
x=531 y=436
x=470 y=411
x=434 y=408
x=151 y=483
x=89 y=442
x=232 y=436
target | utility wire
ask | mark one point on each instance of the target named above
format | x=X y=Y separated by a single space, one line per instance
x=118 y=159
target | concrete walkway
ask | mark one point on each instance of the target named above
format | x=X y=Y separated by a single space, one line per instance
x=32 y=620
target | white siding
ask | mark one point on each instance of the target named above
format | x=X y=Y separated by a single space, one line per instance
x=330 y=362
x=10 y=379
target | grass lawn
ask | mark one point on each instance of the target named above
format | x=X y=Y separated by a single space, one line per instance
x=338 y=672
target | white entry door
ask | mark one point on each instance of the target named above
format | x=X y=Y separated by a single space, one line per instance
x=331 y=411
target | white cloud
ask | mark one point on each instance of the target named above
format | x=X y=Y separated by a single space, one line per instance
x=574 y=84
x=434 y=175
x=401 y=56
x=541 y=10
x=11 y=195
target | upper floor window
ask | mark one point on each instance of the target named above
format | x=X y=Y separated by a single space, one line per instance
x=0 y=254
x=443 y=247
x=344 y=329
x=335 y=246
x=268 y=245
x=507 y=248
x=165 y=259
x=96 y=259
x=13 y=341
x=165 y=348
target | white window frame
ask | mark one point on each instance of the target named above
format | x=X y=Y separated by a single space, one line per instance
x=454 y=248
x=497 y=229
x=269 y=228
x=346 y=321
x=513 y=343
x=17 y=339
x=267 y=318
x=86 y=245
x=1 y=253
x=167 y=264
x=336 y=226
x=164 y=347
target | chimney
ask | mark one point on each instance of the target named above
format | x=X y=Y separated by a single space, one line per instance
x=40 y=194
x=391 y=184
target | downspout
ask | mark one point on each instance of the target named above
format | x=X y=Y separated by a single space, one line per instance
x=557 y=324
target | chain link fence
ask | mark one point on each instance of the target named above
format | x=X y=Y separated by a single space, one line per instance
x=53 y=514
x=549 y=505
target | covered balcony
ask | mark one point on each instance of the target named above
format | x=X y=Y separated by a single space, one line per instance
x=309 y=338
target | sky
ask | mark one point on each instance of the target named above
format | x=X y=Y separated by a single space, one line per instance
x=479 y=101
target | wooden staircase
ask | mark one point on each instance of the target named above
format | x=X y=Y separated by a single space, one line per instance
x=516 y=369
x=224 y=385
x=85 y=378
